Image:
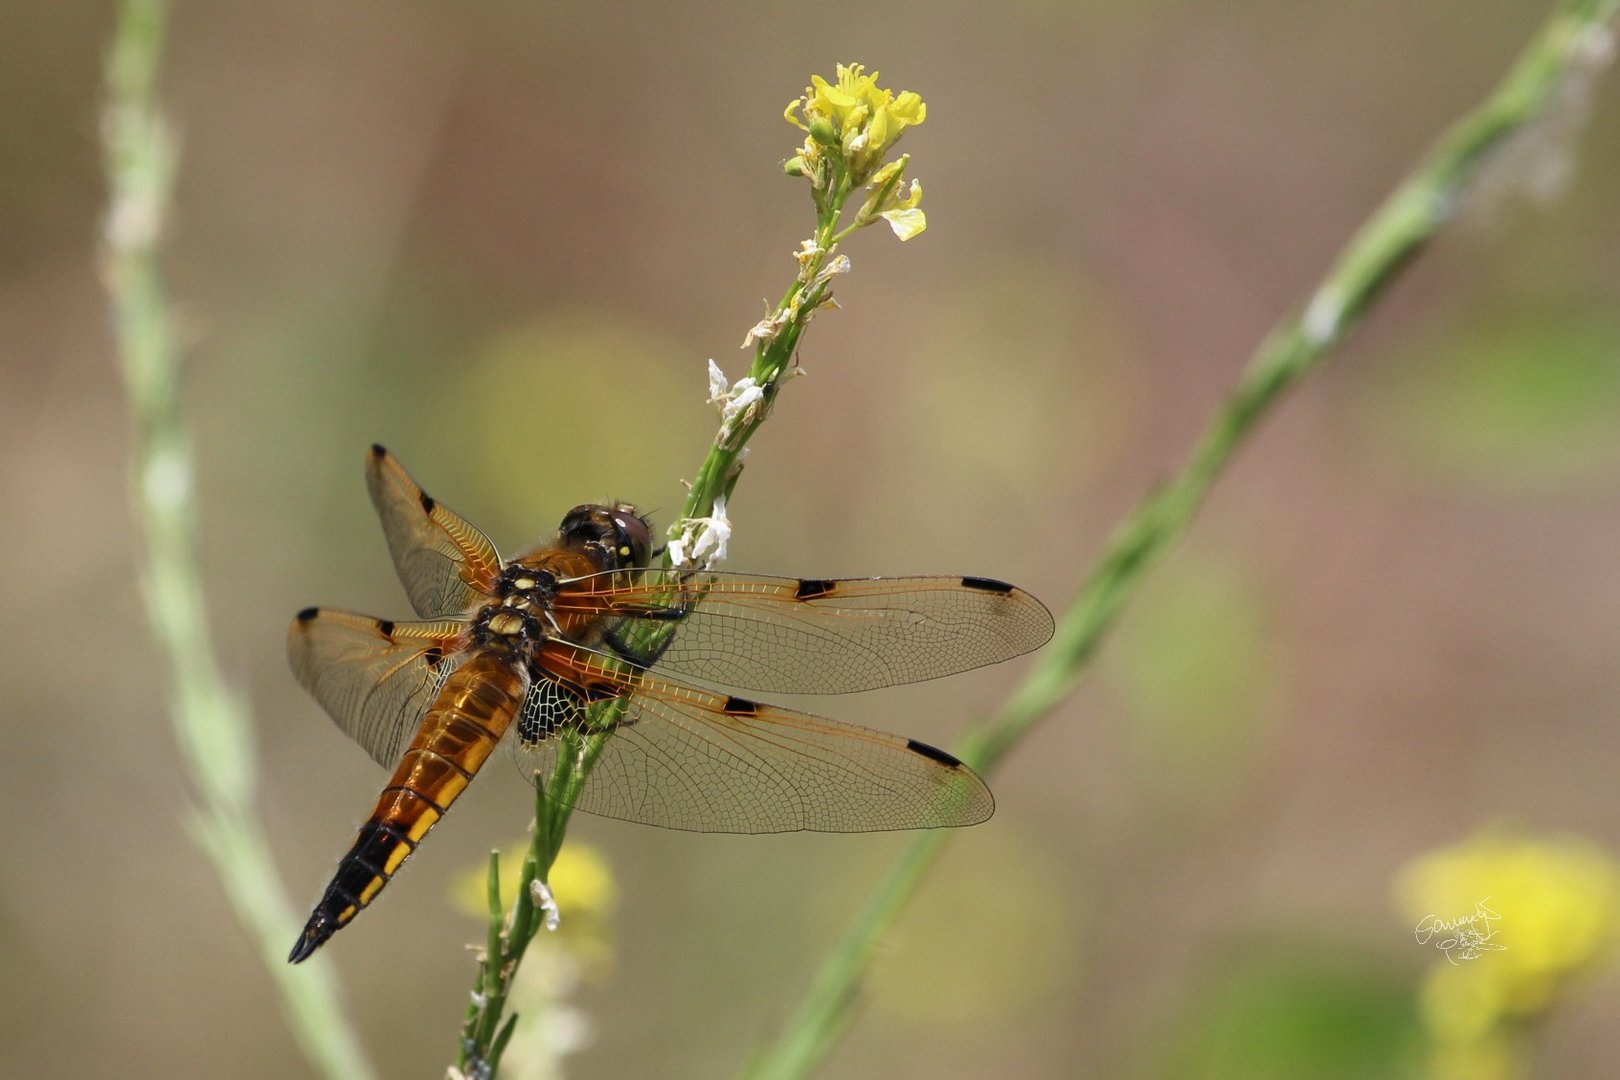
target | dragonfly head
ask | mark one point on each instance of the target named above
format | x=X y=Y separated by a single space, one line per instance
x=623 y=536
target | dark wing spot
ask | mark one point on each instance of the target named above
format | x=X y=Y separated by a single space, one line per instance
x=985 y=584
x=433 y=655
x=386 y=626
x=933 y=753
x=736 y=706
x=427 y=503
x=812 y=588
x=308 y=614
x=378 y=450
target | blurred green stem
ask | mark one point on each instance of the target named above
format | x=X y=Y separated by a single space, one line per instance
x=211 y=721
x=1576 y=38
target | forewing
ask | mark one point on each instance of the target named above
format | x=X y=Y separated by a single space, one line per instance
x=445 y=563
x=684 y=758
x=820 y=636
x=375 y=678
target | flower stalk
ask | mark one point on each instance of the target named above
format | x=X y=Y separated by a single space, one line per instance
x=851 y=125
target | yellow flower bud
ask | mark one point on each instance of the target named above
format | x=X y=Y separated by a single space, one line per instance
x=822 y=130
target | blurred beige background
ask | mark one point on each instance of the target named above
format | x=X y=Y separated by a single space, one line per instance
x=504 y=240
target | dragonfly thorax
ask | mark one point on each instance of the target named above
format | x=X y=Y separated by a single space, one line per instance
x=520 y=616
x=518 y=627
x=526 y=589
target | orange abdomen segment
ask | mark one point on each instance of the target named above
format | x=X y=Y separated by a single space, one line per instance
x=471 y=713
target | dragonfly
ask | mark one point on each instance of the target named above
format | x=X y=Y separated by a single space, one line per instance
x=583 y=647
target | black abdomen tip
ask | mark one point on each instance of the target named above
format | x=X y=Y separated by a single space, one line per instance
x=316 y=931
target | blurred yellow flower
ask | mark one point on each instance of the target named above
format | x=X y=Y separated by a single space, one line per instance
x=1517 y=916
x=580 y=880
x=1491 y=1057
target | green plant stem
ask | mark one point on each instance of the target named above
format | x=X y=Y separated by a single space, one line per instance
x=1416 y=211
x=211 y=721
x=510 y=935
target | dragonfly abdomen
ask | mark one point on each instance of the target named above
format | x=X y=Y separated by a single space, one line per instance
x=457 y=734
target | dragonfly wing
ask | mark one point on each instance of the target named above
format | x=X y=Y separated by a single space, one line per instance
x=684 y=758
x=374 y=678
x=446 y=564
x=819 y=636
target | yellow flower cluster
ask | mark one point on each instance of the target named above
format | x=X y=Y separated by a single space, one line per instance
x=1546 y=908
x=851 y=124
x=853 y=117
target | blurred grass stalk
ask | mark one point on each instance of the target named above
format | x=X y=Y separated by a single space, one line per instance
x=1576 y=41
x=211 y=721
